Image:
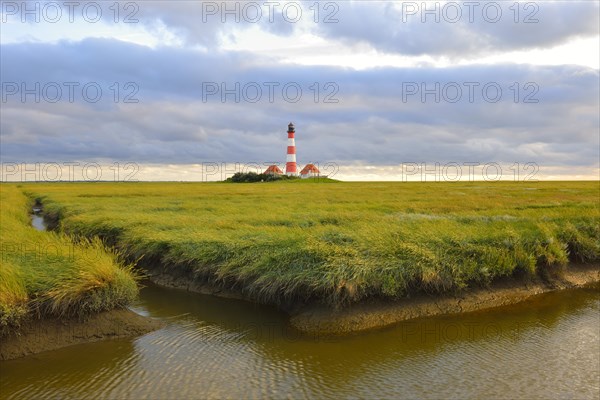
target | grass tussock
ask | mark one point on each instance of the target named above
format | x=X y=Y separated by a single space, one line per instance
x=339 y=243
x=44 y=273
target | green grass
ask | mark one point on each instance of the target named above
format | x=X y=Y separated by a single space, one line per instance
x=340 y=242
x=45 y=274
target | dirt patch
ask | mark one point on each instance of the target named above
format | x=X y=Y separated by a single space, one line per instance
x=378 y=314
x=49 y=334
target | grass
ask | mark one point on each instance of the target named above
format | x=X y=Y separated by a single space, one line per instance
x=338 y=243
x=45 y=274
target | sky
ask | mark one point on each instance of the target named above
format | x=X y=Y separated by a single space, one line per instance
x=396 y=90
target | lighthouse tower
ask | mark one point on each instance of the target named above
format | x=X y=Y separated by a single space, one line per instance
x=290 y=164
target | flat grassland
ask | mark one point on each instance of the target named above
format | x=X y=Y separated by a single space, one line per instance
x=337 y=242
x=45 y=274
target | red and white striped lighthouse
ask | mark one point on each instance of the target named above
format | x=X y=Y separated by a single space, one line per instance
x=290 y=162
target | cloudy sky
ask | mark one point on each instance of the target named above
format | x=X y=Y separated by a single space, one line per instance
x=377 y=90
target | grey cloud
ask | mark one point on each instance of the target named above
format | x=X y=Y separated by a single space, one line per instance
x=391 y=27
x=370 y=123
x=386 y=26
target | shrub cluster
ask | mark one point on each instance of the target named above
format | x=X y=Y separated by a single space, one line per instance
x=251 y=177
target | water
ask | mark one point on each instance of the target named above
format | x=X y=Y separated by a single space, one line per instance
x=37 y=220
x=220 y=348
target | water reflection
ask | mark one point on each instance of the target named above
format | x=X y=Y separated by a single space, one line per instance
x=74 y=369
x=215 y=348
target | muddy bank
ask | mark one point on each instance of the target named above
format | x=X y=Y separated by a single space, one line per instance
x=378 y=314
x=179 y=280
x=368 y=315
x=49 y=334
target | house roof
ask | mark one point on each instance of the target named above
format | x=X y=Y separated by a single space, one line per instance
x=273 y=169
x=309 y=168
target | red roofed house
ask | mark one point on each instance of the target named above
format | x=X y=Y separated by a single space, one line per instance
x=273 y=170
x=310 y=171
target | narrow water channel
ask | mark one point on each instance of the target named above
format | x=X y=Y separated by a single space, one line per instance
x=37 y=219
x=221 y=348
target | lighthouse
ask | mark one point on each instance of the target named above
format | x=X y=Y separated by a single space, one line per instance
x=290 y=162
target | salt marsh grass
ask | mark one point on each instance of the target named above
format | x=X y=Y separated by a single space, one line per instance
x=47 y=274
x=338 y=242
